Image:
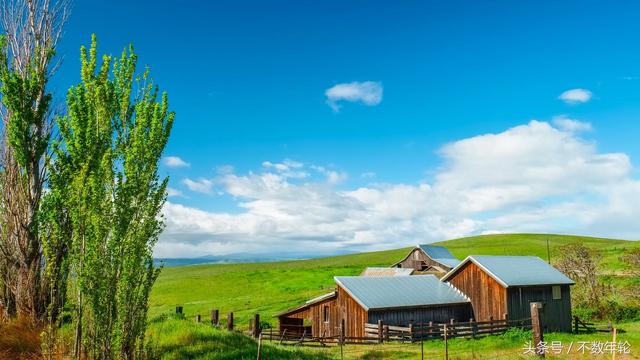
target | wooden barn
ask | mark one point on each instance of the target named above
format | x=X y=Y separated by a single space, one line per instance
x=385 y=271
x=396 y=300
x=504 y=286
x=429 y=258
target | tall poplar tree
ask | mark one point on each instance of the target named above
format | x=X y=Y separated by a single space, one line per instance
x=31 y=276
x=105 y=181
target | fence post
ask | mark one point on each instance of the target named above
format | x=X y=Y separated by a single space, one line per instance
x=575 y=324
x=446 y=343
x=198 y=318
x=259 y=345
x=453 y=327
x=472 y=324
x=430 y=328
x=615 y=332
x=256 y=326
x=491 y=325
x=214 y=317
x=380 y=330
x=230 y=321
x=410 y=331
x=385 y=329
x=538 y=336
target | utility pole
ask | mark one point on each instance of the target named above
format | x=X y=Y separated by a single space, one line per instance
x=548 y=252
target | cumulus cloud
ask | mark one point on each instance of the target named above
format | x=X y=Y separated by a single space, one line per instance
x=571 y=125
x=576 y=96
x=175 y=162
x=534 y=177
x=204 y=186
x=367 y=92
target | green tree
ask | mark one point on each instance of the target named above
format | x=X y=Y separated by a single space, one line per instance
x=105 y=180
x=31 y=267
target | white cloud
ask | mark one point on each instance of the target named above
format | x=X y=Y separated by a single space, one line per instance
x=201 y=185
x=287 y=168
x=367 y=92
x=571 y=125
x=171 y=192
x=576 y=96
x=529 y=178
x=175 y=162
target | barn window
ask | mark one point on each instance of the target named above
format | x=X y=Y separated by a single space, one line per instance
x=557 y=294
x=325 y=314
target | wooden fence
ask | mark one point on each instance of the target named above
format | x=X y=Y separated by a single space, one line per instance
x=424 y=331
x=380 y=332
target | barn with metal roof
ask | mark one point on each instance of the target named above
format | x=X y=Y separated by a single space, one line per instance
x=505 y=286
x=396 y=300
x=432 y=259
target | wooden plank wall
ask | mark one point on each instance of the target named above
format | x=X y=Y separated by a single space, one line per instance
x=315 y=314
x=439 y=314
x=555 y=315
x=354 y=315
x=488 y=297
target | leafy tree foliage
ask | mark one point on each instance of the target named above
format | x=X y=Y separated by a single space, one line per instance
x=107 y=193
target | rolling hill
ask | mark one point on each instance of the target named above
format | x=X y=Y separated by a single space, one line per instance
x=268 y=288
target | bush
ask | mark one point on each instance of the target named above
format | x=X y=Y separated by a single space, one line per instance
x=615 y=311
x=516 y=335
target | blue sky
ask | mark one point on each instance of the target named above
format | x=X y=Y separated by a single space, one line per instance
x=420 y=84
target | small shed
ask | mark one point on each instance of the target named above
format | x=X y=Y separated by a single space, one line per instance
x=504 y=286
x=429 y=258
x=385 y=271
x=396 y=300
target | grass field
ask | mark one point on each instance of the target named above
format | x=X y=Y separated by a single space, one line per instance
x=268 y=288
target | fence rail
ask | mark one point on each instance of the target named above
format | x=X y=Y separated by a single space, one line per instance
x=452 y=329
x=380 y=332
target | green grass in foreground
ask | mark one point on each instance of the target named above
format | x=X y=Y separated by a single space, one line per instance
x=173 y=338
x=268 y=288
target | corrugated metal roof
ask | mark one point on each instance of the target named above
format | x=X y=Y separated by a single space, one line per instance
x=382 y=271
x=307 y=304
x=320 y=298
x=379 y=292
x=517 y=270
x=440 y=254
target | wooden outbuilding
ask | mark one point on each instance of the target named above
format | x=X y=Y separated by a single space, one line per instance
x=396 y=300
x=432 y=259
x=504 y=286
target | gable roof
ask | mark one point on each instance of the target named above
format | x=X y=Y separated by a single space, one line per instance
x=440 y=254
x=384 y=271
x=385 y=292
x=515 y=270
x=308 y=303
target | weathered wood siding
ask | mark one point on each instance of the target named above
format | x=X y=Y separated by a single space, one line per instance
x=556 y=314
x=439 y=314
x=488 y=297
x=354 y=315
x=340 y=307
x=418 y=260
x=315 y=314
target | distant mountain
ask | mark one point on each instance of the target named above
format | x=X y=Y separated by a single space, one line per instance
x=240 y=258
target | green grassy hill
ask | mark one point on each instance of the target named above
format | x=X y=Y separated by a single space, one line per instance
x=268 y=288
